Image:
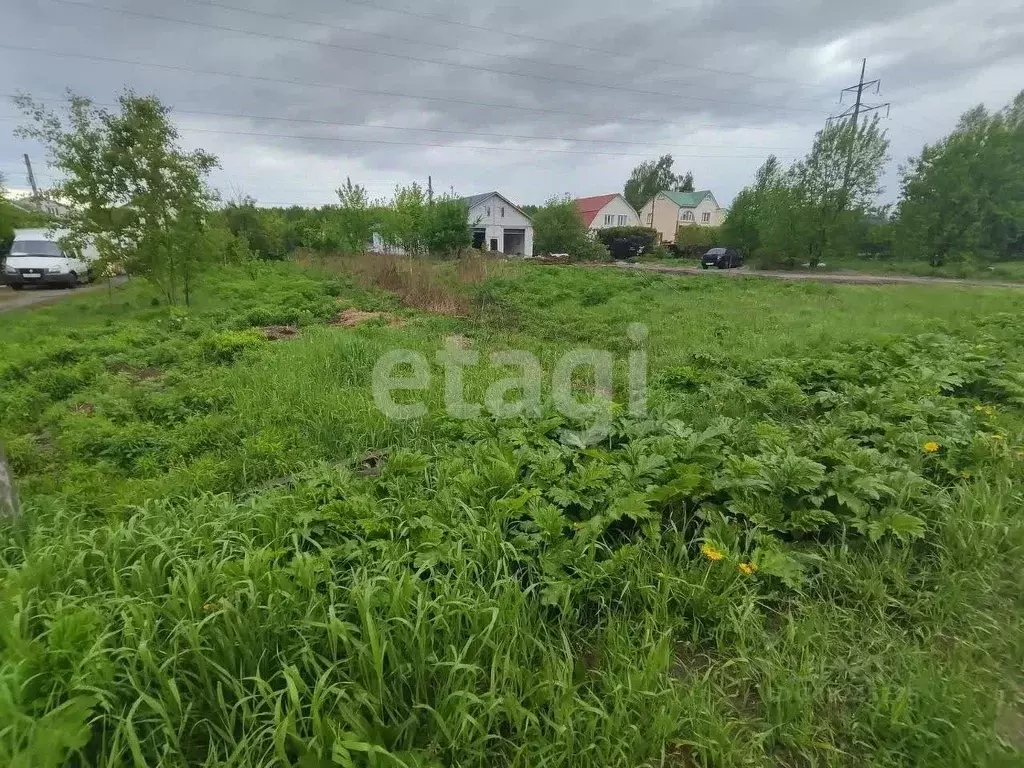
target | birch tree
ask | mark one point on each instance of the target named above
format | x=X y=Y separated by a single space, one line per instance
x=127 y=185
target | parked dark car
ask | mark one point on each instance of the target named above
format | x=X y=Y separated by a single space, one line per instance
x=723 y=258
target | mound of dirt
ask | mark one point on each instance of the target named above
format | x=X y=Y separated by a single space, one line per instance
x=348 y=318
x=280 y=332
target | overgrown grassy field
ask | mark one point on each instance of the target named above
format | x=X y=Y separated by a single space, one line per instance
x=808 y=552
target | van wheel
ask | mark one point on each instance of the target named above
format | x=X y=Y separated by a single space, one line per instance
x=75 y=281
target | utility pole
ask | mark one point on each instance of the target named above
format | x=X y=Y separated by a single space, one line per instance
x=859 y=107
x=430 y=190
x=31 y=176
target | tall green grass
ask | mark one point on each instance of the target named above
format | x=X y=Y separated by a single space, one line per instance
x=213 y=570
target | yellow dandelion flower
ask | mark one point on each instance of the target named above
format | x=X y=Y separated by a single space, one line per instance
x=711 y=552
x=209 y=607
x=748 y=569
x=931 y=447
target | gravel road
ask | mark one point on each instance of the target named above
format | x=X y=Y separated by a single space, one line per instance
x=32 y=297
x=820 y=277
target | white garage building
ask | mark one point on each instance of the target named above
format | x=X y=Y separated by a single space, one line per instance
x=499 y=225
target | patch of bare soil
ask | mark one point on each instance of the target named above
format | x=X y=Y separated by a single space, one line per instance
x=459 y=341
x=279 y=332
x=139 y=374
x=349 y=318
x=371 y=464
x=1010 y=728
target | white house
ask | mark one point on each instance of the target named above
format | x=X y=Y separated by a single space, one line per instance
x=670 y=210
x=606 y=211
x=499 y=225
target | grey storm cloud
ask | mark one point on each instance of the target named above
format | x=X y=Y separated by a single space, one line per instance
x=534 y=98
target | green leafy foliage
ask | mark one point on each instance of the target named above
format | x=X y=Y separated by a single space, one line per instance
x=129 y=189
x=628 y=242
x=446 y=229
x=694 y=241
x=559 y=228
x=806 y=552
x=6 y=219
x=262 y=230
x=654 y=176
x=815 y=207
x=964 y=195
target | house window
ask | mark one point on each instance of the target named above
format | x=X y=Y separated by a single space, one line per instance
x=609 y=219
x=686 y=216
x=503 y=211
x=706 y=218
x=488 y=210
x=622 y=221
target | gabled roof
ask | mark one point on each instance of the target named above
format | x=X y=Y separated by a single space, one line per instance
x=473 y=201
x=591 y=206
x=687 y=199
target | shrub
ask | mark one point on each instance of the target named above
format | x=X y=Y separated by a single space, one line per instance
x=263 y=230
x=226 y=346
x=628 y=242
x=446 y=227
x=559 y=228
x=692 y=242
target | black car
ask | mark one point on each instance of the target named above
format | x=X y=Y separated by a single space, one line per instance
x=723 y=258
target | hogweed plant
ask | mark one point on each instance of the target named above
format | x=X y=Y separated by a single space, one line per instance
x=514 y=396
x=228 y=556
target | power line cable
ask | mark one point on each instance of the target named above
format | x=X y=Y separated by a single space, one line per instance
x=453 y=146
x=389 y=36
x=331 y=86
x=385 y=142
x=568 y=44
x=483 y=134
x=425 y=60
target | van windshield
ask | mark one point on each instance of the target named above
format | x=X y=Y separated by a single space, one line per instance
x=35 y=248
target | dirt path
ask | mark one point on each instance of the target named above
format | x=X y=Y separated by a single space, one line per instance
x=38 y=297
x=819 y=277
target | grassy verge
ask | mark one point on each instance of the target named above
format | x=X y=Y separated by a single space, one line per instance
x=806 y=553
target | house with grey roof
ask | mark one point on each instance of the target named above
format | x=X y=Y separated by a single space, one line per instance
x=499 y=225
x=668 y=211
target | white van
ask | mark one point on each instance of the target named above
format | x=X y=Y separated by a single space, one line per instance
x=37 y=258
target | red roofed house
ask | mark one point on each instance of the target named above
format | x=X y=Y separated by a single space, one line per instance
x=606 y=211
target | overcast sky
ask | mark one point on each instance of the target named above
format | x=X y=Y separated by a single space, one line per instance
x=533 y=97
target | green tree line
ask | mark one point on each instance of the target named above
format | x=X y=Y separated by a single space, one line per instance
x=961 y=199
x=130 y=189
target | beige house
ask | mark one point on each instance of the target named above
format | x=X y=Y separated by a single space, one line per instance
x=670 y=210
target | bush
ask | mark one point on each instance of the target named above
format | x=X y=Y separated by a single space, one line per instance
x=263 y=230
x=446 y=227
x=559 y=228
x=765 y=259
x=226 y=346
x=628 y=242
x=660 y=253
x=693 y=242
